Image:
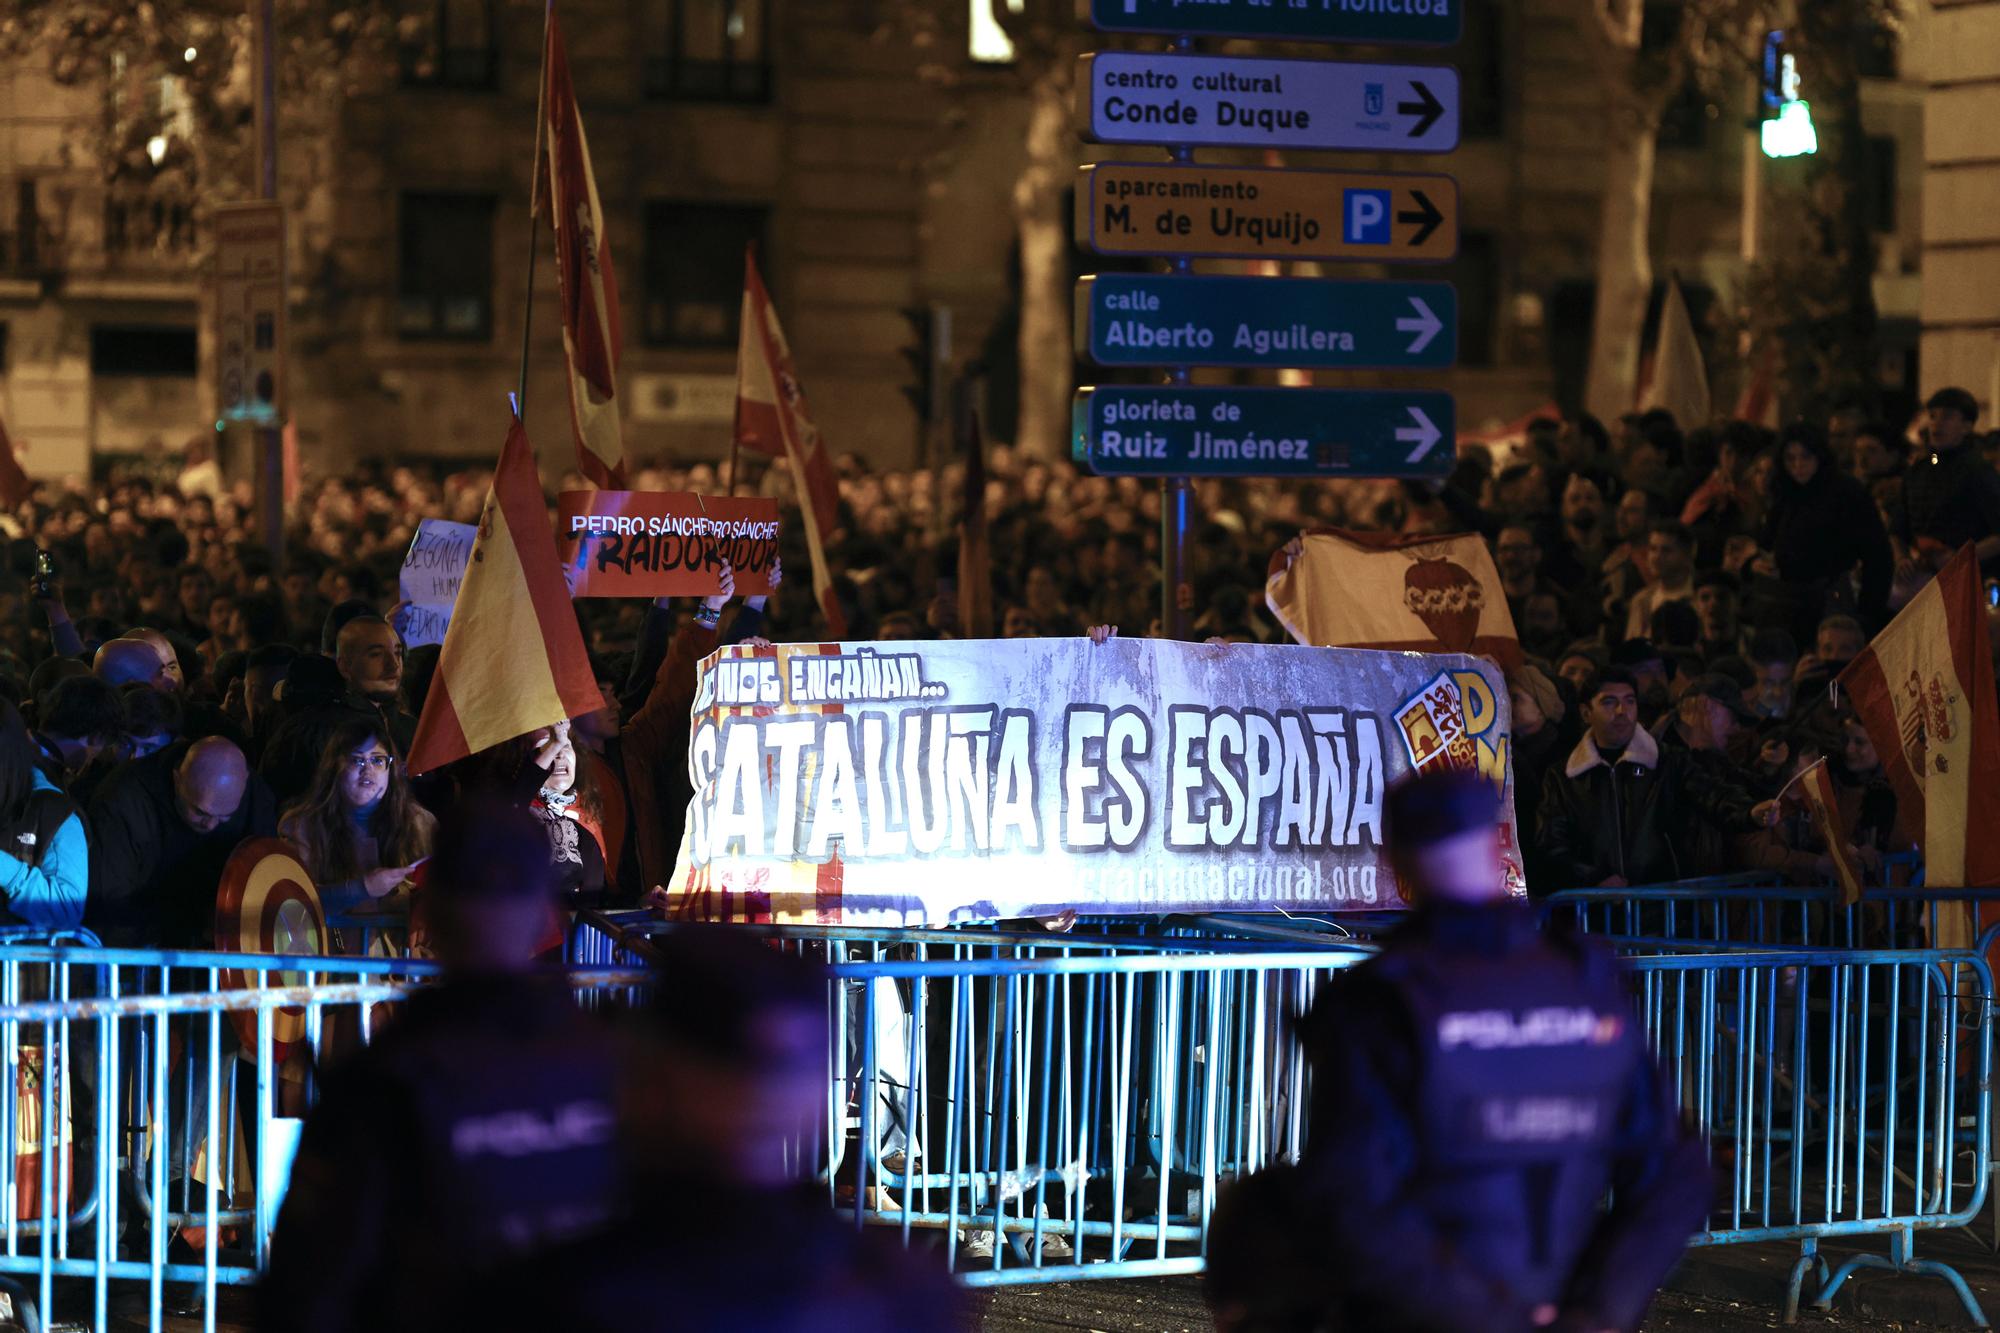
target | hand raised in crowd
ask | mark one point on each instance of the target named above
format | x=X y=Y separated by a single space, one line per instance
x=381 y=883
x=716 y=601
x=549 y=743
x=777 y=576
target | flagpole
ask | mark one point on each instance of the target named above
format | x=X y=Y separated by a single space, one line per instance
x=736 y=420
x=534 y=211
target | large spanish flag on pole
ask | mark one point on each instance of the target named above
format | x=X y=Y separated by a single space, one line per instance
x=591 y=337
x=513 y=658
x=771 y=417
x=1338 y=589
x=1924 y=690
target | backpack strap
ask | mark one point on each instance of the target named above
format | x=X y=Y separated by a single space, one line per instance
x=45 y=811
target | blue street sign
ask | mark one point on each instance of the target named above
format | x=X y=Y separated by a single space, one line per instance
x=1173 y=431
x=1148 y=319
x=1419 y=22
x=1233 y=101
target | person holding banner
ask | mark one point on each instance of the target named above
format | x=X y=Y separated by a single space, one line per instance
x=1478 y=1088
x=655 y=741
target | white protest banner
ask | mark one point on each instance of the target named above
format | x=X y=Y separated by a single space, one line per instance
x=432 y=570
x=905 y=784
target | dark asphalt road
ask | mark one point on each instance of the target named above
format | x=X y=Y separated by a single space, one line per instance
x=1173 y=1305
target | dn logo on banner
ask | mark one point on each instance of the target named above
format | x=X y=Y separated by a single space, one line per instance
x=1367 y=217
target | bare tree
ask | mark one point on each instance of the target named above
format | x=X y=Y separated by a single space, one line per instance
x=1047 y=41
x=1642 y=68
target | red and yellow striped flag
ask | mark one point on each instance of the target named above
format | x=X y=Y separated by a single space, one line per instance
x=771 y=417
x=591 y=338
x=1924 y=690
x=1816 y=782
x=513 y=658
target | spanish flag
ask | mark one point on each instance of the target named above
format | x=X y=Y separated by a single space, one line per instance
x=772 y=418
x=1924 y=690
x=513 y=658
x=591 y=338
x=1816 y=784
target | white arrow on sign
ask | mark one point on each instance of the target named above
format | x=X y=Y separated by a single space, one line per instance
x=1424 y=434
x=1425 y=324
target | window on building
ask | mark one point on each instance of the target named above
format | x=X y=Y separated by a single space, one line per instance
x=450 y=43
x=1879 y=181
x=1476 y=274
x=1482 y=65
x=708 y=50
x=1878 y=52
x=444 y=283
x=694 y=271
x=151 y=350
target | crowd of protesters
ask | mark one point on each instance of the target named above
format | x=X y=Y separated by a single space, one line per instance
x=1684 y=599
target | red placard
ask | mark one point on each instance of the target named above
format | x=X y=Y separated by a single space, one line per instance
x=664 y=543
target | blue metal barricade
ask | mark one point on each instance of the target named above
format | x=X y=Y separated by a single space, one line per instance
x=1046 y=1107
x=1841 y=1093
x=1072 y=1117
x=1766 y=916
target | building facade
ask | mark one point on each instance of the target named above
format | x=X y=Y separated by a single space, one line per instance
x=810 y=127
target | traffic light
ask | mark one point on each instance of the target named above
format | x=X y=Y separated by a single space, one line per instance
x=1786 y=127
x=922 y=388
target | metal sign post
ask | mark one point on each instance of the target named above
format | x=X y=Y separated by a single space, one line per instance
x=1179 y=212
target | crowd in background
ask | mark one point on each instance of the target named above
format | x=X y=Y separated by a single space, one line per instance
x=1684 y=599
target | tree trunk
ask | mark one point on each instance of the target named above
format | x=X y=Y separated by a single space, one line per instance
x=1624 y=265
x=1844 y=349
x=1047 y=359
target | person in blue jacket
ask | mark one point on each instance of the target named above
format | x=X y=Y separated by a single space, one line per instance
x=46 y=872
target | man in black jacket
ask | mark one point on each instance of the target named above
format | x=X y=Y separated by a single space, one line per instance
x=1951 y=496
x=1619 y=811
x=161 y=829
x=1478 y=1089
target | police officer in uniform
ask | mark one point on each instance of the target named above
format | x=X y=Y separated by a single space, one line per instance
x=477 y=1129
x=727 y=1070
x=1478 y=1089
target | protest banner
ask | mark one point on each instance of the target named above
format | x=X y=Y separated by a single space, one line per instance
x=906 y=784
x=432 y=570
x=664 y=543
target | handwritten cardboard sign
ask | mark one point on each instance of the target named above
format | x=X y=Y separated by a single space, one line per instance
x=432 y=570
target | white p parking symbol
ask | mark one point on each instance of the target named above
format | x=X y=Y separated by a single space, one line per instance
x=1367 y=217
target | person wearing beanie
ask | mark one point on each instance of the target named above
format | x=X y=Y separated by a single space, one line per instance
x=1478 y=1088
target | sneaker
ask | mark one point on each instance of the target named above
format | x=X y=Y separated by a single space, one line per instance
x=979 y=1244
x=1055 y=1243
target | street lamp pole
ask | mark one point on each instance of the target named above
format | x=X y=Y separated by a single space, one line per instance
x=270 y=437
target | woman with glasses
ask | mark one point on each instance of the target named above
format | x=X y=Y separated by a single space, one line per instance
x=358 y=829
